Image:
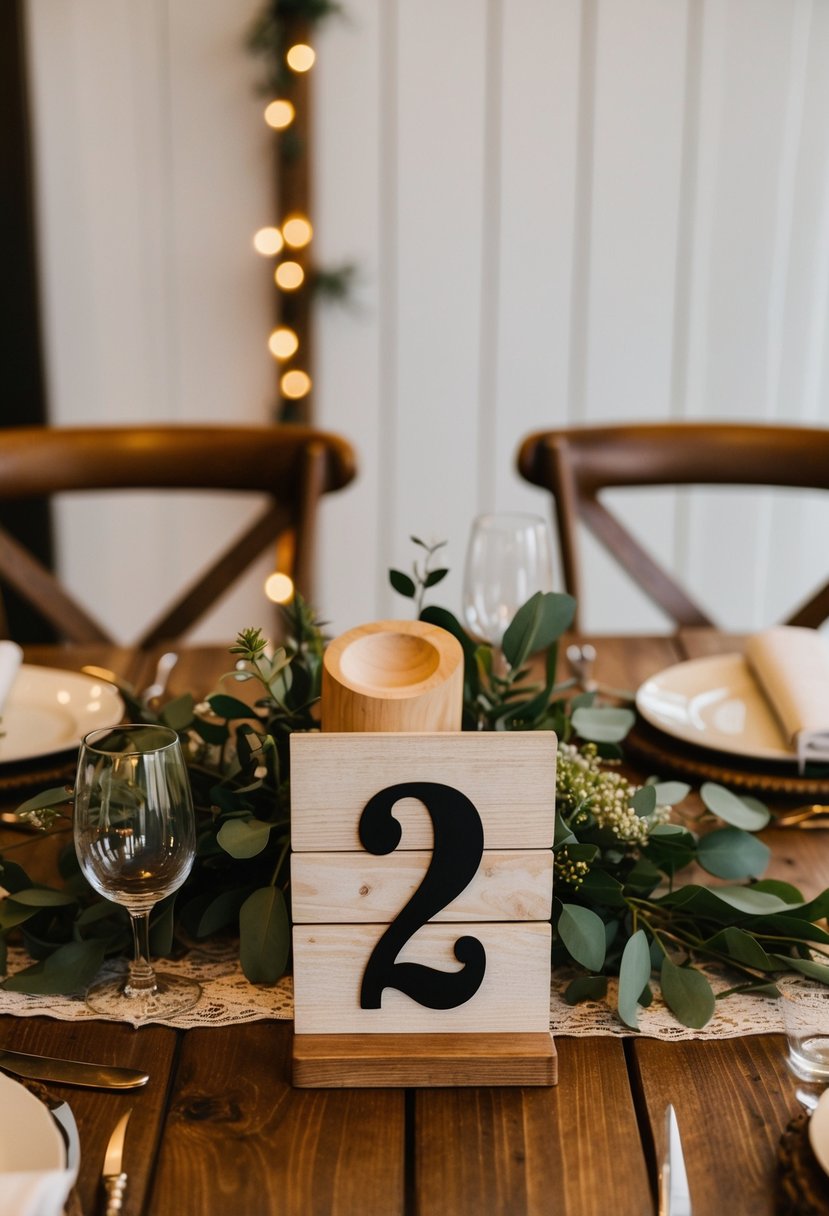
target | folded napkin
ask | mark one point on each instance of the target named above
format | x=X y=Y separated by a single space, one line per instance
x=791 y=665
x=35 y=1192
x=11 y=656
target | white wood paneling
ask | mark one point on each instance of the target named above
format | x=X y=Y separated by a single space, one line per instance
x=559 y=210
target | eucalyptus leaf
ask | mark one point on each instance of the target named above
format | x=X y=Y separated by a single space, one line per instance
x=222 y=911
x=178 y=713
x=434 y=577
x=634 y=974
x=264 y=936
x=582 y=932
x=229 y=708
x=687 y=994
x=42 y=897
x=71 y=968
x=815 y=971
x=751 y=817
x=644 y=801
x=603 y=725
x=402 y=583
x=733 y=853
x=585 y=988
x=52 y=797
x=243 y=838
x=742 y=947
x=670 y=793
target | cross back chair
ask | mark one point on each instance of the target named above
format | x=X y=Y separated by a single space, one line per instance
x=575 y=464
x=292 y=465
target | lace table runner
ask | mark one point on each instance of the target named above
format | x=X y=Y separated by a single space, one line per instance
x=228 y=999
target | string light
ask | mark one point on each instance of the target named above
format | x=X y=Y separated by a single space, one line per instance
x=268 y=241
x=279 y=114
x=289 y=276
x=297 y=231
x=279 y=587
x=295 y=384
x=283 y=343
x=300 y=57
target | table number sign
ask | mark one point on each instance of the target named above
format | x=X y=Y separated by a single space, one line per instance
x=421 y=883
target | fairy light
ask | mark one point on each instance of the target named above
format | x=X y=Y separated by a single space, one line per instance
x=279 y=114
x=300 y=57
x=268 y=241
x=283 y=342
x=289 y=276
x=297 y=231
x=279 y=587
x=295 y=384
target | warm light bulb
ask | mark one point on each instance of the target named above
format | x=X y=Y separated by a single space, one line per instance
x=295 y=384
x=283 y=343
x=279 y=114
x=297 y=231
x=289 y=275
x=301 y=57
x=268 y=241
x=279 y=588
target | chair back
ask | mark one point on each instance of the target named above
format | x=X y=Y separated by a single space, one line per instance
x=292 y=465
x=575 y=464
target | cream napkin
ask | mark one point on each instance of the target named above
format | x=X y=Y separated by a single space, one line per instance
x=791 y=665
x=35 y=1192
x=11 y=656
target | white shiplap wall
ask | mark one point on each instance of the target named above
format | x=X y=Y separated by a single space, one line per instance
x=560 y=211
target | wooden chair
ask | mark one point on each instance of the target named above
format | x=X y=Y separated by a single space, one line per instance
x=576 y=464
x=293 y=465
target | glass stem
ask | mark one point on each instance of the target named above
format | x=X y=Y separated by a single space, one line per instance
x=142 y=977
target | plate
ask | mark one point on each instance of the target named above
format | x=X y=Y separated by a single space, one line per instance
x=29 y=1137
x=49 y=711
x=819 y=1131
x=714 y=702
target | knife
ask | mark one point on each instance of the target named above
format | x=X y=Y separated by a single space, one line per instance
x=71 y=1072
x=115 y=1182
x=674 y=1196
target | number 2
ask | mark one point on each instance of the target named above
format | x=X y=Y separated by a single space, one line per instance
x=456 y=855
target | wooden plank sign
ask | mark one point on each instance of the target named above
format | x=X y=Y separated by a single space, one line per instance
x=421 y=880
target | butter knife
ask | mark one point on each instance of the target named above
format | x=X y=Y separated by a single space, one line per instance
x=674 y=1195
x=71 y=1072
x=114 y=1180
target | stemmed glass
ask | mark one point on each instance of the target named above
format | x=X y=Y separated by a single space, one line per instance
x=509 y=558
x=135 y=836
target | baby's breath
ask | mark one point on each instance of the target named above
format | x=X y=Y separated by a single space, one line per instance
x=587 y=794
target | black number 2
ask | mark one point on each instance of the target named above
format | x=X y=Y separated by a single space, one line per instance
x=456 y=855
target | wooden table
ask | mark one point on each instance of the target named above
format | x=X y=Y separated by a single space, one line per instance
x=219 y=1128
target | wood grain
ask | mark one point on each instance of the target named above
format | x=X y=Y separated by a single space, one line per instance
x=573 y=1150
x=240 y=1139
x=355 y=887
x=329 y=961
x=733 y=1099
x=337 y=1060
x=509 y=777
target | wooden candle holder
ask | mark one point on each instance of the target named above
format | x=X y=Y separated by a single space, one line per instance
x=393 y=676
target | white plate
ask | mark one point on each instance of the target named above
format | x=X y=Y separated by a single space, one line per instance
x=49 y=711
x=29 y=1136
x=819 y=1131
x=714 y=702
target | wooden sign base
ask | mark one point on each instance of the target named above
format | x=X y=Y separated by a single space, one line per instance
x=340 y=1061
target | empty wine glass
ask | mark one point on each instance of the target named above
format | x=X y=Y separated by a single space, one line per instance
x=135 y=836
x=509 y=558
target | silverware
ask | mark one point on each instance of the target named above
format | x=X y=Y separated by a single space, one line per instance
x=114 y=1180
x=814 y=815
x=581 y=660
x=156 y=690
x=71 y=1072
x=674 y=1196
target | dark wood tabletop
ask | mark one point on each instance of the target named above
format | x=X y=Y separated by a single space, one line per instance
x=220 y=1129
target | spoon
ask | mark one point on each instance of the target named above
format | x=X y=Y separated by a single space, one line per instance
x=156 y=690
x=581 y=659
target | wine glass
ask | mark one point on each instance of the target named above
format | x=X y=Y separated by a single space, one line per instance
x=509 y=558
x=135 y=836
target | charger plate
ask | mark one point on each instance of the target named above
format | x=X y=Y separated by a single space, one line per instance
x=666 y=756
